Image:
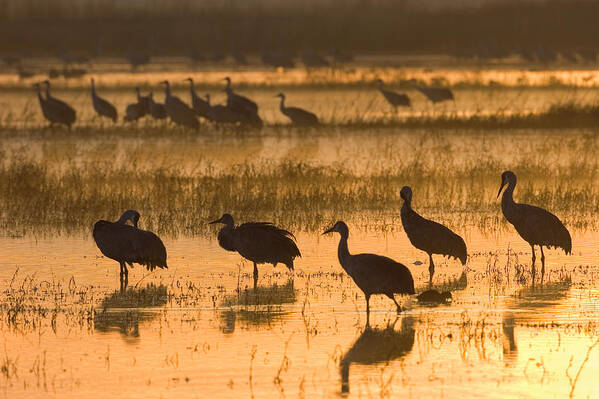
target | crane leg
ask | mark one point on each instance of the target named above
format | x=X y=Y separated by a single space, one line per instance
x=542 y=264
x=534 y=258
x=399 y=309
x=367 y=310
x=126 y=275
x=255 y=275
x=122 y=276
x=431 y=269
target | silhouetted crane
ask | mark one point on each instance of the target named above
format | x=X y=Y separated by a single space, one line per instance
x=47 y=110
x=128 y=244
x=135 y=111
x=157 y=110
x=222 y=114
x=242 y=106
x=199 y=105
x=428 y=236
x=378 y=346
x=177 y=110
x=393 y=98
x=435 y=94
x=258 y=242
x=535 y=225
x=61 y=111
x=299 y=117
x=101 y=106
x=373 y=274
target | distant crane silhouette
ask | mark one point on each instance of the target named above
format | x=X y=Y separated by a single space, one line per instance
x=199 y=105
x=243 y=106
x=435 y=94
x=47 y=110
x=373 y=274
x=135 y=111
x=177 y=110
x=128 y=244
x=157 y=110
x=393 y=98
x=61 y=111
x=535 y=225
x=137 y=58
x=376 y=345
x=101 y=106
x=428 y=236
x=299 y=117
x=222 y=114
x=258 y=242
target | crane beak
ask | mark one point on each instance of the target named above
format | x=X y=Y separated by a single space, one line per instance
x=331 y=230
x=216 y=221
x=501 y=188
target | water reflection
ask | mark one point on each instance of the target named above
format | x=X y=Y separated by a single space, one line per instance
x=537 y=305
x=121 y=311
x=256 y=307
x=378 y=345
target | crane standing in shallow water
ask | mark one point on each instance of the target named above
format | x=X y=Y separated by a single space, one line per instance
x=428 y=236
x=177 y=110
x=101 y=106
x=199 y=105
x=129 y=244
x=243 y=107
x=61 y=111
x=535 y=225
x=393 y=98
x=373 y=274
x=258 y=242
x=435 y=94
x=298 y=116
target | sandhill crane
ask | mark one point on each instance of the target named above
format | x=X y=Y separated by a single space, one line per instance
x=243 y=106
x=428 y=236
x=200 y=106
x=135 y=111
x=47 y=110
x=393 y=98
x=434 y=297
x=258 y=242
x=128 y=244
x=373 y=274
x=299 y=117
x=435 y=94
x=535 y=225
x=101 y=106
x=177 y=110
x=157 y=110
x=63 y=113
x=378 y=346
x=222 y=113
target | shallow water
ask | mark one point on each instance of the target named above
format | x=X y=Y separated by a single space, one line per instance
x=199 y=329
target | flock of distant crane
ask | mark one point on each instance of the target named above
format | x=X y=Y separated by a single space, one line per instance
x=263 y=242
x=238 y=109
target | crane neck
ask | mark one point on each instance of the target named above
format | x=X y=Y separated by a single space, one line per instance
x=167 y=89
x=508 y=194
x=343 y=252
x=93 y=88
x=123 y=219
x=192 y=89
x=282 y=104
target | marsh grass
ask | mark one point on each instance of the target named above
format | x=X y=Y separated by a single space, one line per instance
x=37 y=199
